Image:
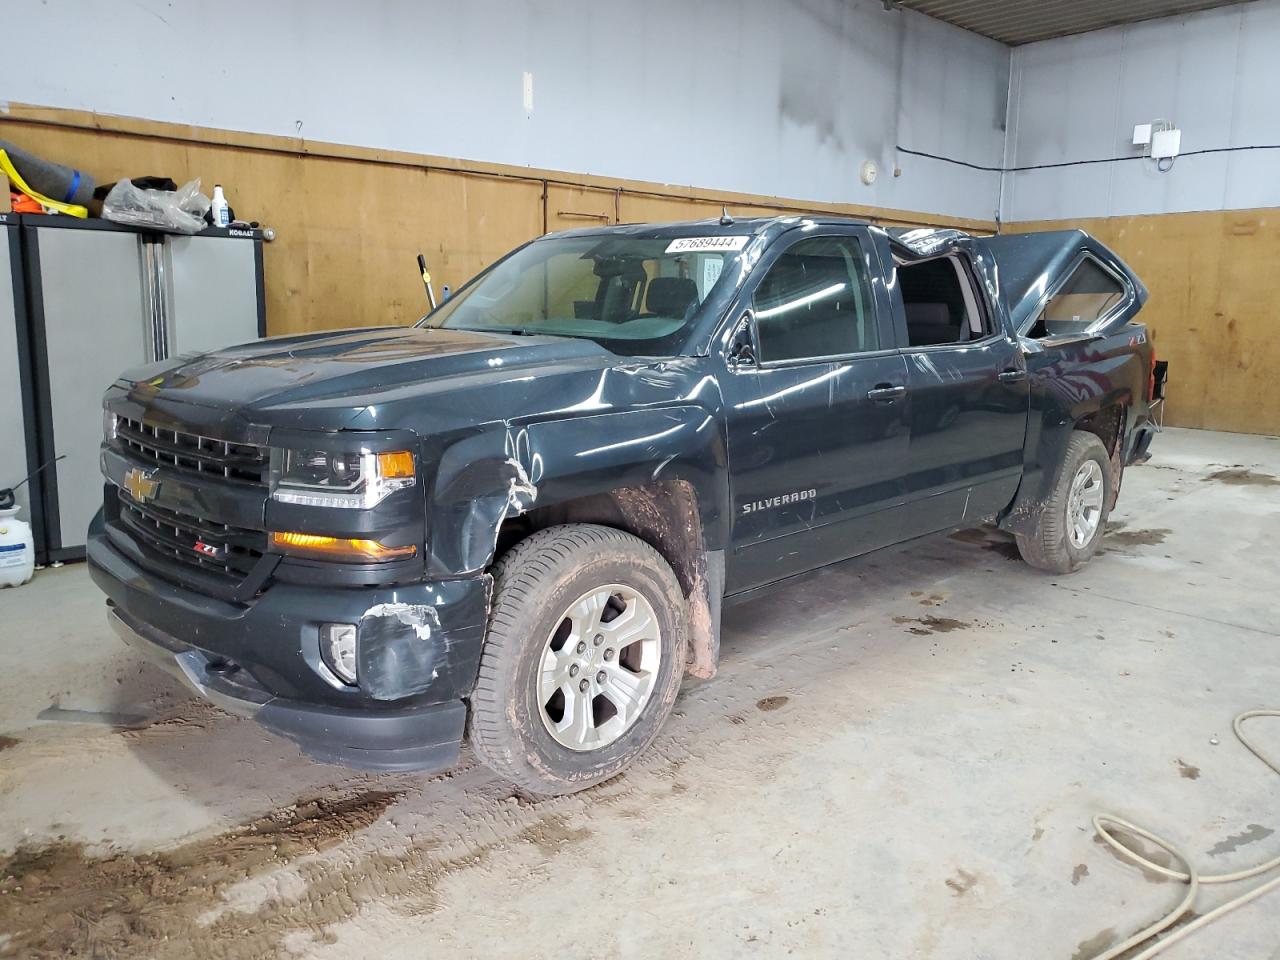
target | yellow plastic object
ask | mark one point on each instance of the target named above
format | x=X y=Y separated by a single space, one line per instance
x=71 y=209
x=396 y=464
x=337 y=548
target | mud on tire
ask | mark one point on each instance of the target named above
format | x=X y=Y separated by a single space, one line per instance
x=1051 y=546
x=547 y=589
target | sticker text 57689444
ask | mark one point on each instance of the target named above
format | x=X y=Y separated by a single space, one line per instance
x=706 y=244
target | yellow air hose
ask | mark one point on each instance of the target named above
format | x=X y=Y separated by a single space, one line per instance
x=1188 y=875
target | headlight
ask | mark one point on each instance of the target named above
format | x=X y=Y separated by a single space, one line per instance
x=321 y=478
x=108 y=425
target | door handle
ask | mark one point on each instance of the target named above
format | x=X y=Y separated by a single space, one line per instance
x=886 y=393
x=1011 y=376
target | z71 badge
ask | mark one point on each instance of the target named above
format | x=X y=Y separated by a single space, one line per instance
x=755 y=506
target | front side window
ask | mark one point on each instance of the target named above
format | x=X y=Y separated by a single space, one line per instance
x=816 y=301
x=1089 y=294
x=633 y=295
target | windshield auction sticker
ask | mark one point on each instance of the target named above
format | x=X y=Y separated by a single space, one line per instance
x=706 y=244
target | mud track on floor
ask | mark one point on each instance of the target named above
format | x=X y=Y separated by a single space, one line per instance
x=307 y=871
x=59 y=900
x=1242 y=477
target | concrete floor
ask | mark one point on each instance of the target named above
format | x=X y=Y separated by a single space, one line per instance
x=899 y=757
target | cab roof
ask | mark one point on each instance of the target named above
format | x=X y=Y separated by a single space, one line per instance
x=713 y=227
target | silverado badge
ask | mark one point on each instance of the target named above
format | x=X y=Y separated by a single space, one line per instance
x=796 y=496
x=141 y=484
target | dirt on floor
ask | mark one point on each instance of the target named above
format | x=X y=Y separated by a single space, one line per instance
x=59 y=900
x=928 y=625
x=1118 y=536
x=1243 y=477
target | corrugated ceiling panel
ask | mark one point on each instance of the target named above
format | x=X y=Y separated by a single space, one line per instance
x=1025 y=21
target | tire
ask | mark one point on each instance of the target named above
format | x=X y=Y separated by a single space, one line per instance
x=1054 y=545
x=547 y=590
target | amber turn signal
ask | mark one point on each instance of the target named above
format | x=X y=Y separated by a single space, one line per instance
x=339 y=548
x=398 y=463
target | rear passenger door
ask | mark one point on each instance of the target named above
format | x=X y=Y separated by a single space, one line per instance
x=969 y=397
x=816 y=406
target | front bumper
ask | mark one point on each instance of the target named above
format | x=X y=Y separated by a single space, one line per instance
x=419 y=656
x=422 y=738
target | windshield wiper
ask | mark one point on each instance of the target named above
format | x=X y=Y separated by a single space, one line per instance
x=511 y=331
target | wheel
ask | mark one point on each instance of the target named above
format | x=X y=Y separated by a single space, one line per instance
x=1070 y=525
x=583 y=660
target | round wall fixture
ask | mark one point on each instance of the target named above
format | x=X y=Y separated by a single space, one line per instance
x=869 y=172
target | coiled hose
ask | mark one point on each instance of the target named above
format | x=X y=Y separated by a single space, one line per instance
x=1188 y=875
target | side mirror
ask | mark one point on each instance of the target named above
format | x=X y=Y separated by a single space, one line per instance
x=742 y=348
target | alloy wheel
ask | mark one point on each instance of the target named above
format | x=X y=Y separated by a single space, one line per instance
x=1084 y=504
x=598 y=668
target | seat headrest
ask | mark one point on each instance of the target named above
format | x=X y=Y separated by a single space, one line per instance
x=671 y=296
x=930 y=323
x=618 y=267
x=922 y=314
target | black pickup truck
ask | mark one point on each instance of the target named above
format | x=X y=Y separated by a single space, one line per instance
x=517 y=520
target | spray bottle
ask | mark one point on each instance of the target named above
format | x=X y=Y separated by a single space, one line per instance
x=219 y=212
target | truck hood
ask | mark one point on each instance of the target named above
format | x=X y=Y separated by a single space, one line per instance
x=351 y=369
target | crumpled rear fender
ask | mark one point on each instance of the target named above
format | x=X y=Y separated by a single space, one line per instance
x=509 y=469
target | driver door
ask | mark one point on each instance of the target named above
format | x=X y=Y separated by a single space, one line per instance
x=817 y=409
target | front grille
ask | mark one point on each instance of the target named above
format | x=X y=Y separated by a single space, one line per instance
x=218 y=548
x=192 y=452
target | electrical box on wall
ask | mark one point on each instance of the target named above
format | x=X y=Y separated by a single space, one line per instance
x=1165 y=144
x=1160 y=139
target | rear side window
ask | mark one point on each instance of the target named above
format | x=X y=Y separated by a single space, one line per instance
x=1089 y=294
x=940 y=303
x=816 y=301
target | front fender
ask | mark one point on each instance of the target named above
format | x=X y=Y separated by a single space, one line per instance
x=508 y=469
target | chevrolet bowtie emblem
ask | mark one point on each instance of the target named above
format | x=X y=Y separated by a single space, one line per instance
x=141 y=484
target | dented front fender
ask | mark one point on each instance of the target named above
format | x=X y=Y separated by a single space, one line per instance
x=507 y=470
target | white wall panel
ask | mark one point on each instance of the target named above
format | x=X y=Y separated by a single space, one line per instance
x=784 y=98
x=1215 y=74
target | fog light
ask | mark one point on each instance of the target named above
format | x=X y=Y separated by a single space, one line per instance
x=338 y=650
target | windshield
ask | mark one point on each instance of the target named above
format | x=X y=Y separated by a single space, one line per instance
x=632 y=295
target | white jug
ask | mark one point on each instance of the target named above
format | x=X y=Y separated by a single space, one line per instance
x=17 y=551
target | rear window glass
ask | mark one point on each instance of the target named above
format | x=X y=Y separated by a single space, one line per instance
x=1089 y=294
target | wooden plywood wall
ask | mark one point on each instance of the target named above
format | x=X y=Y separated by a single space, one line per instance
x=350 y=221
x=1212 y=312
x=347 y=230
